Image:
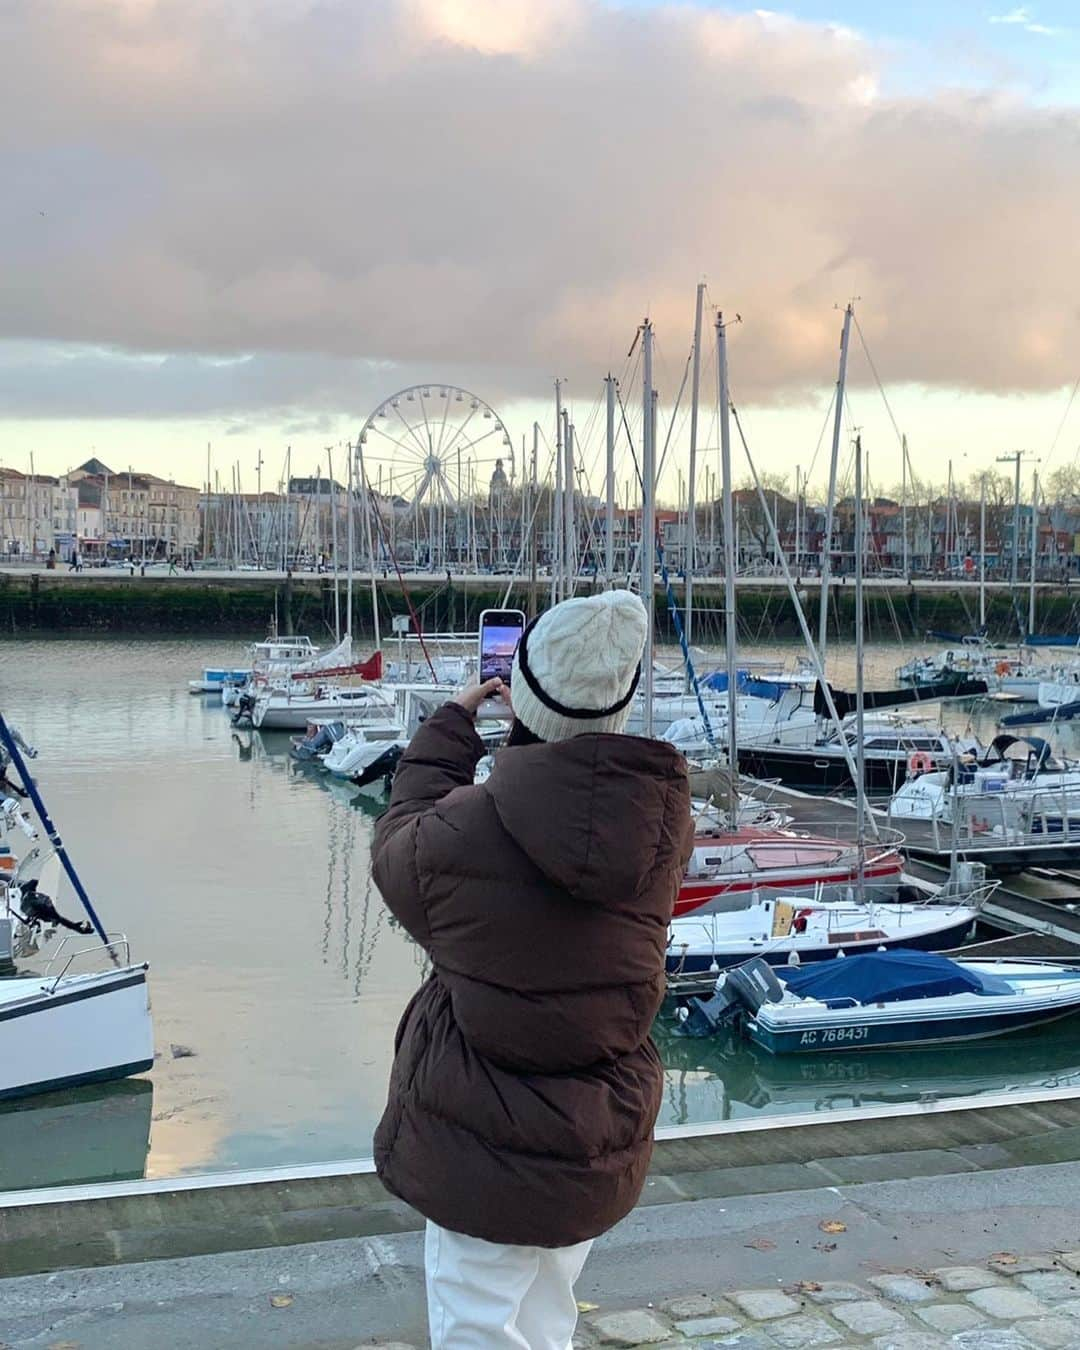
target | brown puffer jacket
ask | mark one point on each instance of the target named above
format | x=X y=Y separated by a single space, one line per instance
x=525 y=1086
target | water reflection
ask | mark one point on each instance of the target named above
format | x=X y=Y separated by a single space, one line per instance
x=99 y=1133
x=723 y=1078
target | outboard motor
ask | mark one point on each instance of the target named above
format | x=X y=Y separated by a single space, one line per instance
x=741 y=990
x=245 y=706
x=36 y=908
x=755 y=983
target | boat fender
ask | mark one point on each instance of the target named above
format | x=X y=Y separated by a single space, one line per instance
x=920 y=762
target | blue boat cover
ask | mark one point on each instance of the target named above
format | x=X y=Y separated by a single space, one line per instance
x=746 y=683
x=1052 y=640
x=887 y=977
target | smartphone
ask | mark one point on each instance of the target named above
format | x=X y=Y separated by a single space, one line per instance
x=500 y=633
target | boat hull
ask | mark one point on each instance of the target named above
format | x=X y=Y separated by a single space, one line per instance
x=814 y=771
x=82 y=1029
x=374 y=777
x=700 y=895
x=776 y=952
x=909 y=1034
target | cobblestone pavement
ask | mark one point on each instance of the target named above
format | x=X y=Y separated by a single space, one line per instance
x=1010 y=1302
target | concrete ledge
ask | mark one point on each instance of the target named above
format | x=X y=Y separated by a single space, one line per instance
x=158 y=1219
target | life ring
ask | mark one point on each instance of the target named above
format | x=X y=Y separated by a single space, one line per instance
x=1003 y=667
x=920 y=762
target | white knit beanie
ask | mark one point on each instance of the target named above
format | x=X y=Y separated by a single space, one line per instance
x=578 y=664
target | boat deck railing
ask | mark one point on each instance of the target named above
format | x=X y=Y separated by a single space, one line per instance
x=842 y=832
x=118 y=952
x=985 y=825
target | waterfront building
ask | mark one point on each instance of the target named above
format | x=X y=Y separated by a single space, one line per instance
x=138 y=515
x=37 y=513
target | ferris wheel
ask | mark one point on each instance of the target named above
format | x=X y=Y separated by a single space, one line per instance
x=435 y=445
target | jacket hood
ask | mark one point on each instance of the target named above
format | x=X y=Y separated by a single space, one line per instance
x=597 y=814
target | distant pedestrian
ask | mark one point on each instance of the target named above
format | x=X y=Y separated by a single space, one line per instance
x=172 y=566
x=525 y=1085
x=73 y=566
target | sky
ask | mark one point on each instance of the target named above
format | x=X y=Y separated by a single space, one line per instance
x=247 y=223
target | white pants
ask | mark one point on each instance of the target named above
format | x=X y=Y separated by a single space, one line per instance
x=487 y=1296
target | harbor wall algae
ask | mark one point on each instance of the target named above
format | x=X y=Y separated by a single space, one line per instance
x=58 y=602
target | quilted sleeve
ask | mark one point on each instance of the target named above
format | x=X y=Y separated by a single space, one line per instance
x=441 y=756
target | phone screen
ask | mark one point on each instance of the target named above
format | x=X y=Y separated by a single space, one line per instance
x=500 y=633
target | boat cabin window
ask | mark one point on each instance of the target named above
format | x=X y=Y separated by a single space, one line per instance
x=857 y=935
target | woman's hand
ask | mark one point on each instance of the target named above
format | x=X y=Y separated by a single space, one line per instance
x=473 y=695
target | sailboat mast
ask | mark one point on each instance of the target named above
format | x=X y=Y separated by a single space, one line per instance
x=724 y=401
x=609 y=484
x=903 y=503
x=570 y=548
x=333 y=537
x=982 y=551
x=288 y=489
x=648 y=517
x=830 y=504
x=1034 y=548
x=350 y=538
x=690 y=550
x=369 y=505
x=860 y=737
x=558 y=540
x=206 y=518
x=530 y=524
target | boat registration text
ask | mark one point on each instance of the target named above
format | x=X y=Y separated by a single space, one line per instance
x=834 y=1035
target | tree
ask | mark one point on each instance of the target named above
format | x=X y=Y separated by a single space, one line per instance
x=1062 y=484
x=753 y=521
x=999 y=488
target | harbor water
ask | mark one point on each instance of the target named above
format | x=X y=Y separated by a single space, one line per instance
x=277 y=975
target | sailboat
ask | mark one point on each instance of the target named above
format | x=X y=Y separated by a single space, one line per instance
x=65 y=1025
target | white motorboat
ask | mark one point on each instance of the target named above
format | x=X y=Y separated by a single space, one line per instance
x=786 y=928
x=1018 y=785
x=276 y=658
x=281 y=709
x=888 y=999
x=366 y=753
x=215 y=679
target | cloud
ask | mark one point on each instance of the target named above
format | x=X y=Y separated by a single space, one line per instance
x=1023 y=19
x=303 y=206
